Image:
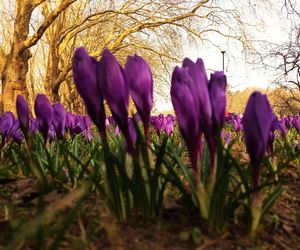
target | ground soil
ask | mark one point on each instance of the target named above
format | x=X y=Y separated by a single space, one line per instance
x=94 y=227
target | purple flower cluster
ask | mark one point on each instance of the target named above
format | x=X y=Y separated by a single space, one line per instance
x=52 y=121
x=288 y=122
x=236 y=121
x=199 y=105
x=9 y=129
x=163 y=123
x=97 y=81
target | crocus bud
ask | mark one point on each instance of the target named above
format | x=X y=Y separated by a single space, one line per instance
x=33 y=127
x=87 y=124
x=227 y=140
x=23 y=113
x=79 y=124
x=169 y=127
x=6 y=123
x=199 y=87
x=217 y=90
x=70 y=122
x=273 y=127
x=16 y=133
x=257 y=121
x=282 y=128
x=237 y=123
x=116 y=92
x=187 y=111
x=139 y=77
x=59 y=120
x=51 y=133
x=44 y=114
x=17 y=136
x=296 y=123
x=158 y=122
x=85 y=72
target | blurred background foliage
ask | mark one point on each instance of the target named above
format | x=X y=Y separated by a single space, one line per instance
x=38 y=37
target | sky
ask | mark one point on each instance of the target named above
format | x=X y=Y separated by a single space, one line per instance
x=267 y=23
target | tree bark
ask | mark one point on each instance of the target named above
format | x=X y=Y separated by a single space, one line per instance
x=16 y=66
x=52 y=73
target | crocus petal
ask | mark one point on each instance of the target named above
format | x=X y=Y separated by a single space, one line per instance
x=86 y=78
x=70 y=122
x=33 y=127
x=115 y=88
x=18 y=136
x=199 y=87
x=217 y=90
x=87 y=123
x=186 y=111
x=139 y=77
x=296 y=123
x=79 y=125
x=44 y=114
x=6 y=123
x=257 y=121
x=23 y=113
x=59 y=120
x=116 y=92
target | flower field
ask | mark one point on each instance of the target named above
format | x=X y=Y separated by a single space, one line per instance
x=194 y=180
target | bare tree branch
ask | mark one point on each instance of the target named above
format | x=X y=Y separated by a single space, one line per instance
x=48 y=21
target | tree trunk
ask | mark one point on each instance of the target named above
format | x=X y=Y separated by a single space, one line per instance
x=16 y=66
x=14 y=80
x=52 y=74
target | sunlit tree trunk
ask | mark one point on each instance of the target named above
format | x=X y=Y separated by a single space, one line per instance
x=15 y=70
x=52 y=73
x=16 y=67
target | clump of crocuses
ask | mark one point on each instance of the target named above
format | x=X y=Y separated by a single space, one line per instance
x=199 y=105
x=106 y=79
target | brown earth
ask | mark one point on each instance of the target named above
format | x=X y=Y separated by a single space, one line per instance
x=94 y=228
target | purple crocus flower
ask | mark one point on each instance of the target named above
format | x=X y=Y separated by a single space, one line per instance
x=6 y=123
x=51 y=133
x=296 y=123
x=228 y=137
x=70 y=123
x=87 y=123
x=187 y=111
x=139 y=77
x=33 y=127
x=131 y=126
x=116 y=92
x=79 y=127
x=282 y=128
x=117 y=131
x=86 y=78
x=288 y=121
x=44 y=114
x=199 y=88
x=59 y=120
x=273 y=127
x=17 y=136
x=169 y=127
x=158 y=123
x=23 y=113
x=217 y=90
x=237 y=125
x=257 y=121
